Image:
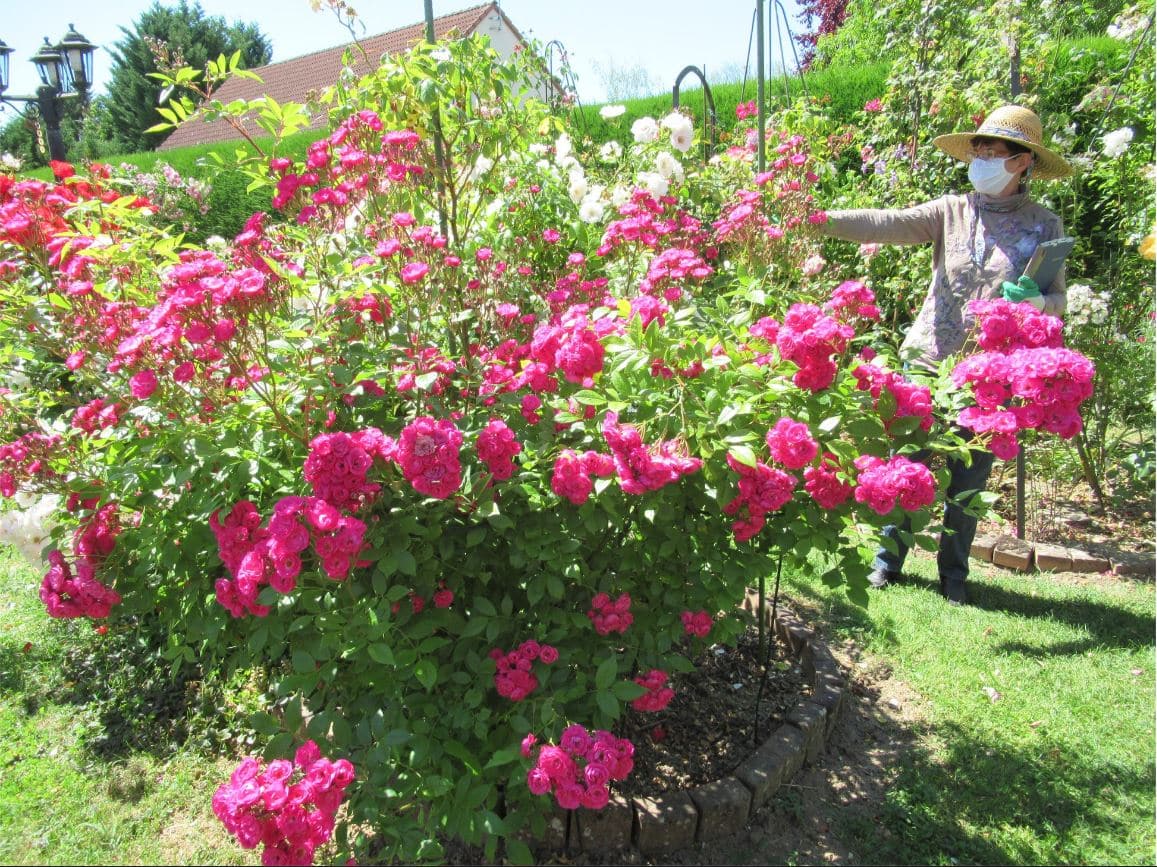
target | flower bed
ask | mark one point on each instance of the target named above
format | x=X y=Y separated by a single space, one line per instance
x=468 y=447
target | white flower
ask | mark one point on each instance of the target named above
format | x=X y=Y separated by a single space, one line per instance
x=1126 y=25
x=610 y=152
x=682 y=130
x=538 y=149
x=481 y=166
x=609 y=112
x=681 y=139
x=578 y=187
x=869 y=250
x=654 y=183
x=668 y=166
x=569 y=164
x=28 y=527
x=11 y=161
x=620 y=196
x=1086 y=307
x=645 y=129
x=591 y=210
x=562 y=147
x=440 y=54
x=813 y=265
x=1116 y=142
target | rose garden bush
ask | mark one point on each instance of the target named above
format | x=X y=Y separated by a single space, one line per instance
x=470 y=450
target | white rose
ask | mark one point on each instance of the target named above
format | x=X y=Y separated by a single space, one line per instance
x=654 y=183
x=1116 y=142
x=562 y=147
x=681 y=139
x=645 y=129
x=591 y=210
x=609 y=112
x=668 y=166
x=610 y=152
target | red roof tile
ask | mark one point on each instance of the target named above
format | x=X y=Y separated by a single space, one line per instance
x=291 y=80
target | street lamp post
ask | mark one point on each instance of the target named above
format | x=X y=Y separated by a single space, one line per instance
x=65 y=71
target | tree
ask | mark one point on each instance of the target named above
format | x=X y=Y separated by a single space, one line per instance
x=177 y=35
x=830 y=15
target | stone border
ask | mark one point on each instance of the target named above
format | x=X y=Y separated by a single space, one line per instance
x=677 y=820
x=1011 y=553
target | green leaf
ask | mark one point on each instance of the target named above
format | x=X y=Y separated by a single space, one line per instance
x=265 y=724
x=744 y=455
x=608 y=704
x=382 y=654
x=627 y=690
x=518 y=852
x=503 y=757
x=607 y=671
x=406 y=563
x=830 y=423
x=396 y=737
x=302 y=662
x=427 y=673
x=460 y=752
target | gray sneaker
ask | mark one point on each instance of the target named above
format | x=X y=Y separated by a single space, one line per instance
x=881 y=578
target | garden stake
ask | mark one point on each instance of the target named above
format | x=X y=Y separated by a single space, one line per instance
x=771 y=639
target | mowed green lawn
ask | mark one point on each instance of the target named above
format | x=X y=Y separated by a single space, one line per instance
x=60 y=803
x=1039 y=746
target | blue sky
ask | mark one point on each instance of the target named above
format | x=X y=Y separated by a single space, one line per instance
x=661 y=36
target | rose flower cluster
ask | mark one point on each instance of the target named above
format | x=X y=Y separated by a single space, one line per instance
x=578 y=770
x=287 y=807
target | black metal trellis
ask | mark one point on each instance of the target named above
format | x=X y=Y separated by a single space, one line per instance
x=761 y=66
x=709 y=117
x=567 y=81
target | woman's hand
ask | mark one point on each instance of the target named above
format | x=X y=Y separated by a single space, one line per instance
x=1023 y=290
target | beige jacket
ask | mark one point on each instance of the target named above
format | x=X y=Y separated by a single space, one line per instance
x=979 y=242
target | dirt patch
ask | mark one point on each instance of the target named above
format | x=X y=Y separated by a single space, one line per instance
x=877 y=729
x=1071 y=517
x=708 y=729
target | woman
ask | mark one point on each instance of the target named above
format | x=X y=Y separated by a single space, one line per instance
x=982 y=242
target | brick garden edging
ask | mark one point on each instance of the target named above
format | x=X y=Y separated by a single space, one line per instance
x=676 y=820
x=1010 y=553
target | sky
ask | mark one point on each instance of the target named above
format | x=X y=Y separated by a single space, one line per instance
x=659 y=36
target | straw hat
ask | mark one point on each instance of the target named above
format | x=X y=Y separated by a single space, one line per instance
x=1011 y=123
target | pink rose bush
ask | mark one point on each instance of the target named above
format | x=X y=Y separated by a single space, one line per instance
x=1024 y=379
x=288 y=808
x=391 y=438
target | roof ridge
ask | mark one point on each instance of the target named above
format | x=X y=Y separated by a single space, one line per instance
x=481 y=7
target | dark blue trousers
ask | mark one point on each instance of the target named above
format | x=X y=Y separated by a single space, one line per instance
x=960 y=527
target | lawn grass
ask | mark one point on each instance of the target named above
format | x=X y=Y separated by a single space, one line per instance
x=1059 y=768
x=60 y=803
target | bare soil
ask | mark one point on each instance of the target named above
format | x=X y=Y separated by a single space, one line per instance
x=1065 y=513
x=709 y=728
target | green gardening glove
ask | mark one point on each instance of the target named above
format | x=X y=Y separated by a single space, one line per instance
x=1024 y=289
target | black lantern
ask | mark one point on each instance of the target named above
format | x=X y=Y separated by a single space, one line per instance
x=4 y=52
x=47 y=62
x=65 y=71
x=76 y=53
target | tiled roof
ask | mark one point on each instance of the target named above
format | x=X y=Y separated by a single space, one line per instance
x=291 y=80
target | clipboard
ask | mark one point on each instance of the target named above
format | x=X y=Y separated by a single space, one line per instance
x=1046 y=262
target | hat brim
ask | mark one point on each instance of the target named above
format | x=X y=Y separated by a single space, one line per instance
x=1048 y=166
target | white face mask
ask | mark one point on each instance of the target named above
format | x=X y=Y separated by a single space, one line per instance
x=989 y=176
